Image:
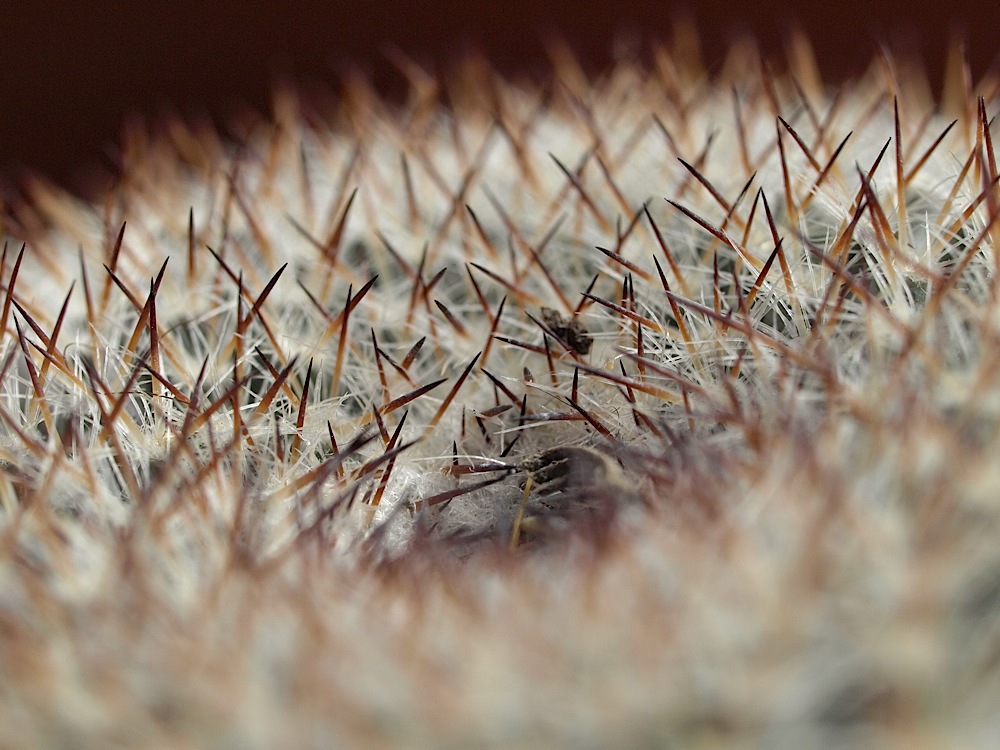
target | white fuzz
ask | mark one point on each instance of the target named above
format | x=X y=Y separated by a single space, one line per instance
x=699 y=448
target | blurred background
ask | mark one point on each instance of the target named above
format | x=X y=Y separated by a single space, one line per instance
x=72 y=72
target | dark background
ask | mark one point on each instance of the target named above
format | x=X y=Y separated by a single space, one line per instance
x=71 y=72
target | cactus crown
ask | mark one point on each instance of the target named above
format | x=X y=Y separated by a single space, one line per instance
x=690 y=370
